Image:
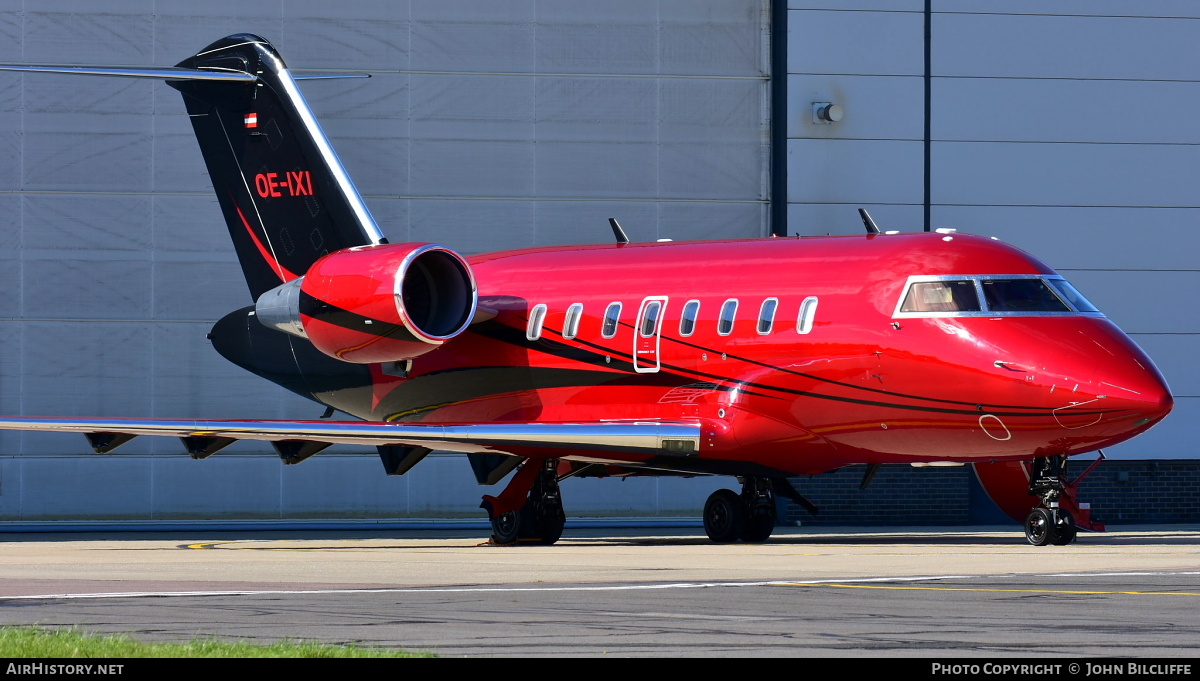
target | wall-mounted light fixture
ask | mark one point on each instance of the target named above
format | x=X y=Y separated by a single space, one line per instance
x=825 y=113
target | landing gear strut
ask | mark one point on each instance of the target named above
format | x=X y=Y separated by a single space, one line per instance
x=748 y=517
x=1049 y=523
x=530 y=507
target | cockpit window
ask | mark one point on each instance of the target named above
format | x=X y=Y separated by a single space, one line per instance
x=992 y=294
x=1075 y=298
x=1021 y=295
x=941 y=296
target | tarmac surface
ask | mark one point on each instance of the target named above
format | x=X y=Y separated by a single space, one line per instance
x=894 y=592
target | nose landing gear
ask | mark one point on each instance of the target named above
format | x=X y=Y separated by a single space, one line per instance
x=1050 y=526
x=1053 y=522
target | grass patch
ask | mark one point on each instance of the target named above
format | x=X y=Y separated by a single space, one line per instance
x=36 y=642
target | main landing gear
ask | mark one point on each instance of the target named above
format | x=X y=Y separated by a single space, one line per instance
x=1050 y=523
x=748 y=517
x=530 y=507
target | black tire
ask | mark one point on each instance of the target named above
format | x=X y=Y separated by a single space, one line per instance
x=724 y=517
x=759 y=525
x=1064 y=529
x=506 y=527
x=1039 y=526
x=550 y=527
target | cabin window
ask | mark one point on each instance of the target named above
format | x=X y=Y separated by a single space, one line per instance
x=808 y=312
x=537 y=317
x=687 y=322
x=571 y=324
x=650 y=318
x=1021 y=295
x=611 y=316
x=941 y=296
x=728 y=314
x=766 y=316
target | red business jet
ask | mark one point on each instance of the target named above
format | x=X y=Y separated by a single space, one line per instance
x=755 y=359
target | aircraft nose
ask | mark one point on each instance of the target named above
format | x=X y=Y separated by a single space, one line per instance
x=1138 y=389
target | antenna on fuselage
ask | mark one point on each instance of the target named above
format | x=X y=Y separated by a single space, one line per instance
x=872 y=228
x=622 y=238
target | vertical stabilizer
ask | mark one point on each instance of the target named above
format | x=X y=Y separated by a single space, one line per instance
x=286 y=197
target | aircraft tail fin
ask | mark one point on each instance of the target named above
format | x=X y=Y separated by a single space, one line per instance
x=285 y=196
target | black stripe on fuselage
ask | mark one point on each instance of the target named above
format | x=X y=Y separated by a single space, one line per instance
x=516 y=337
x=427 y=392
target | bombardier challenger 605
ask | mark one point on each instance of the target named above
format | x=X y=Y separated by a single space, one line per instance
x=755 y=359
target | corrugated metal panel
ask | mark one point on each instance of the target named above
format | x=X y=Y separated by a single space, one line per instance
x=1047 y=46
x=1074 y=237
x=852 y=42
x=1116 y=8
x=1049 y=174
x=842 y=218
x=854 y=171
x=1140 y=301
x=1063 y=110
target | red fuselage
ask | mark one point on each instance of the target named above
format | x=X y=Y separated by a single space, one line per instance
x=837 y=376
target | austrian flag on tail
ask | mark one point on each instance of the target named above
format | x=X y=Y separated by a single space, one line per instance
x=251 y=120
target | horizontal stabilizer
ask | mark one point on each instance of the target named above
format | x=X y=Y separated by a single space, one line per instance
x=162 y=73
x=166 y=72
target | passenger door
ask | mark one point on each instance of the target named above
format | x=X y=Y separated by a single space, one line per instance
x=647 y=335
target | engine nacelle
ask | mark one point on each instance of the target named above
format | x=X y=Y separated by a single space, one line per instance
x=383 y=303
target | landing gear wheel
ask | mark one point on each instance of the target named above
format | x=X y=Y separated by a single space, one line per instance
x=506 y=527
x=1064 y=529
x=759 y=525
x=724 y=517
x=550 y=526
x=540 y=518
x=544 y=517
x=1039 y=526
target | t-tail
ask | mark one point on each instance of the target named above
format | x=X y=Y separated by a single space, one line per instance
x=285 y=196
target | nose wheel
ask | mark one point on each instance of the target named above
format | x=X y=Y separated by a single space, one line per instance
x=1049 y=523
x=1050 y=526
